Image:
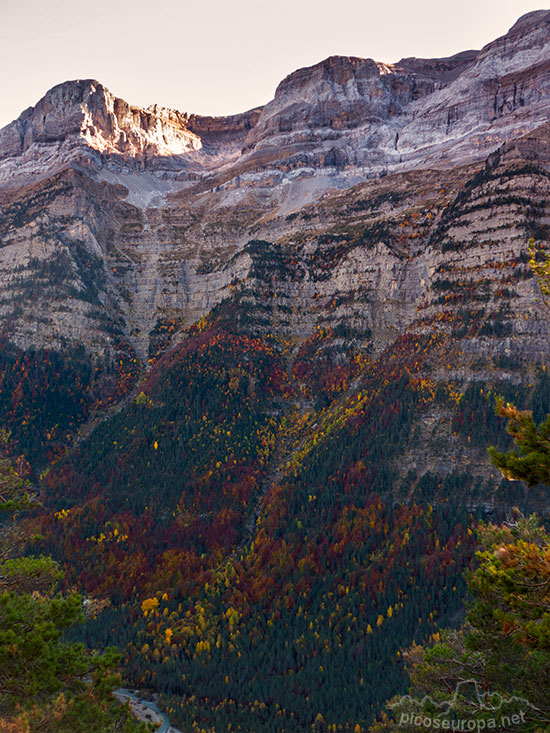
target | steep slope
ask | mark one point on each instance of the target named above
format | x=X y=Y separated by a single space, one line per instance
x=299 y=318
x=329 y=125
x=425 y=249
x=142 y=214
x=83 y=122
x=289 y=495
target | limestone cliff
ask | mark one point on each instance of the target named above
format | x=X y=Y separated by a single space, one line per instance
x=329 y=125
x=122 y=225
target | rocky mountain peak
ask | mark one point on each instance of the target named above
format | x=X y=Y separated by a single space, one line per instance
x=530 y=21
x=329 y=125
x=85 y=113
x=82 y=122
x=339 y=70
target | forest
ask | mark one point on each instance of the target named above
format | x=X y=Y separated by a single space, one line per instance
x=246 y=529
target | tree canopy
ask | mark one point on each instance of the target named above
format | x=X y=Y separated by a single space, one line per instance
x=47 y=684
x=497 y=664
x=530 y=460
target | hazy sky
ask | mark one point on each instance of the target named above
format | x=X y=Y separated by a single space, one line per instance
x=221 y=56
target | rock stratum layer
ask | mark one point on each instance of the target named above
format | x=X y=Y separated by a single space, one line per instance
x=144 y=214
x=366 y=198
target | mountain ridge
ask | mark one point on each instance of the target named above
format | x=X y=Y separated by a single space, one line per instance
x=343 y=118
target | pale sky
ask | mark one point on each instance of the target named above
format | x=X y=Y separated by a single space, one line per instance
x=221 y=56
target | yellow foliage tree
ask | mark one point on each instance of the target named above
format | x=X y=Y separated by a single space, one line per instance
x=149 y=604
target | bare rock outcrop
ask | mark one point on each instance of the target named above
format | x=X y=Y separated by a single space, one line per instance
x=373 y=188
x=330 y=125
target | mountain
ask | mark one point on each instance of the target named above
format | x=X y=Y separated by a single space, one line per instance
x=357 y=117
x=253 y=362
x=149 y=211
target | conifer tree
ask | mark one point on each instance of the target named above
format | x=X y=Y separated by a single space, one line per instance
x=47 y=685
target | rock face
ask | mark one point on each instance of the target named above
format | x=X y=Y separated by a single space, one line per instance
x=123 y=225
x=338 y=122
x=358 y=115
x=105 y=123
x=81 y=121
